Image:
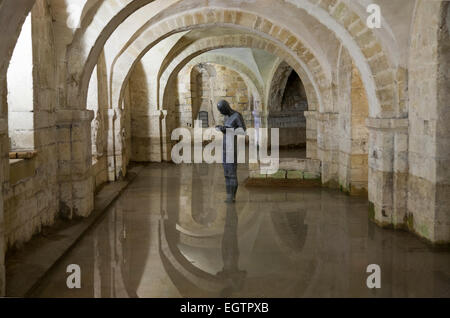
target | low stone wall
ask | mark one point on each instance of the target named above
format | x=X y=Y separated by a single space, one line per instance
x=26 y=205
x=290 y=168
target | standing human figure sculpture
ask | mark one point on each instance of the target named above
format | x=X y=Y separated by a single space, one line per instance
x=234 y=124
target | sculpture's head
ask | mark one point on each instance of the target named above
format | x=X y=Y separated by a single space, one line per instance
x=224 y=108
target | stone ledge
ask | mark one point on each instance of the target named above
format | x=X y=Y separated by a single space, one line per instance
x=27 y=266
x=21 y=169
x=22 y=154
x=311 y=114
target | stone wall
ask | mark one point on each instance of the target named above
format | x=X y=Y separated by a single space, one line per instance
x=210 y=83
x=98 y=102
x=429 y=134
x=353 y=134
x=30 y=194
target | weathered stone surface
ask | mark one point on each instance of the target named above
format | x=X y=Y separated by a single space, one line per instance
x=294 y=175
x=86 y=94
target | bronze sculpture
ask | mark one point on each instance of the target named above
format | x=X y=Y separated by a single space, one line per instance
x=233 y=125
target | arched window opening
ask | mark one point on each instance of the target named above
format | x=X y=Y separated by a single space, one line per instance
x=21 y=94
x=203 y=117
x=287 y=114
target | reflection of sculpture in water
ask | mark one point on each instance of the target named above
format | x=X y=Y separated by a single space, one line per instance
x=230 y=254
x=233 y=120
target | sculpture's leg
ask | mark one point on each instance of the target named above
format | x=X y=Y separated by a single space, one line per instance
x=229 y=190
x=231 y=181
x=233 y=188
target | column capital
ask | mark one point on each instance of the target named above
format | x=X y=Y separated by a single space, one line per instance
x=326 y=116
x=111 y=113
x=67 y=116
x=310 y=114
x=161 y=113
x=396 y=124
x=258 y=113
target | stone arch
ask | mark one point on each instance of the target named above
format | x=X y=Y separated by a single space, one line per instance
x=196 y=71
x=285 y=84
x=235 y=67
x=249 y=77
x=375 y=66
x=313 y=92
x=203 y=19
x=279 y=73
x=231 y=41
x=314 y=99
x=278 y=85
x=241 y=69
x=98 y=23
x=12 y=17
x=207 y=45
x=222 y=42
x=350 y=19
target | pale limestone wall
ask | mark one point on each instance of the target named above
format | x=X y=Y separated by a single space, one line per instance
x=12 y=16
x=353 y=134
x=30 y=196
x=344 y=88
x=211 y=83
x=429 y=134
x=145 y=121
x=97 y=101
x=359 y=170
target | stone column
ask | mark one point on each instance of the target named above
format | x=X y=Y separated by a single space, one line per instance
x=166 y=142
x=111 y=157
x=75 y=162
x=119 y=144
x=155 y=151
x=4 y=142
x=388 y=170
x=311 y=134
x=328 y=147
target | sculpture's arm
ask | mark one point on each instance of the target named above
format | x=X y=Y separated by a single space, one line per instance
x=222 y=129
x=240 y=125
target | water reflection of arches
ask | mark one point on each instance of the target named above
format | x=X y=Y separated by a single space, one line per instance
x=290 y=228
x=118 y=267
x=191 y=277
x=204 y=261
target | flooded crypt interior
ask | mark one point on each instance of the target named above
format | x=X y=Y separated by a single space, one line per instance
x=92 y=92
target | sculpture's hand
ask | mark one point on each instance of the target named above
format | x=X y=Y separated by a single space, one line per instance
x=221 y=129
x=240 y=131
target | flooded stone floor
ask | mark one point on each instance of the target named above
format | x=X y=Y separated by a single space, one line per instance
x=170 y=235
